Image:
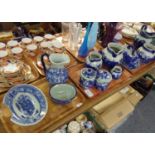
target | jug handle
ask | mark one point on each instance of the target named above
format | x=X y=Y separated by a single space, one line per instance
x=43 y=63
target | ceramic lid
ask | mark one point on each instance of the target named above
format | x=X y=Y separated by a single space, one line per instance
x=12 y=43
x=16 y=50
x=49 y=36
x=74 y=127
x=38 y=38
x=26 y=40
x=31 y=47
x=129 y=32
x=2 y=45
x=3 y=53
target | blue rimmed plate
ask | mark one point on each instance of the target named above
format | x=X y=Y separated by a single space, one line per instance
x=27 y=103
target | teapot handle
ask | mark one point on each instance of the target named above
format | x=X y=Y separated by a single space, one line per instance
x=42 y=61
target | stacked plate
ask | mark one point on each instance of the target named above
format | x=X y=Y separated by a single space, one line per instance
x=14 y=72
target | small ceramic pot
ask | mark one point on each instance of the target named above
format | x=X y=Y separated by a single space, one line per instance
x=87 y=77
x=146 y=53
x=94 y=60
x=116 y=72
x=2 y=46
x=131 y=59
x=103 y=79
x=63 y=93
x=74 y=127
x=12 y=44
x=113 y=54
x=17 y=52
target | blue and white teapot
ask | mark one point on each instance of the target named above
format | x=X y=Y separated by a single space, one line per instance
x=56 y=73
x=130 y=58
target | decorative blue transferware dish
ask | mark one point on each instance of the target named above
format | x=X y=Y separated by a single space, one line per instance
x=116 y=72
x=103 y=79
x=63 y=93
x=27 y=104
x=94 y=60
x=87 y=77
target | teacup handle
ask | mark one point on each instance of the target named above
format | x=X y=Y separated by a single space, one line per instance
x=42 y=61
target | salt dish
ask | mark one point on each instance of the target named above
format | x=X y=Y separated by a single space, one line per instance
x=3 y=53
x=26 y=41
x=129 y=32
x=38 y=39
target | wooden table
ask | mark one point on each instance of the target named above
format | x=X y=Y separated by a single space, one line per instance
x=59 y=115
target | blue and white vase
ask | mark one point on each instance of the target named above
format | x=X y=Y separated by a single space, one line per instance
x=113 y=54
x=116 y=72
x=131 y=59
x=87 y=77
x=146 y=53
x=56 y=73
x=94 y=60
x=103 y=79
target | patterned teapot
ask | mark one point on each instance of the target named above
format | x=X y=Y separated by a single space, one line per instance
x=56 y=73
x=130 y=58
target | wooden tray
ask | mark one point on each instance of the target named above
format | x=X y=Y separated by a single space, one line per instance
x=34 y=75
x=74 y=74
x=141 y=69
x=54 y=114
x=40 y=70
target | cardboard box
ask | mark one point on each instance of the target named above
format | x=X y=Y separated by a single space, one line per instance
x=113 y=110
x=116 y=113
x=101 y=107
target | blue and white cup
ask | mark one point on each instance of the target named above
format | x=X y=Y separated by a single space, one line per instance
x=116 y=72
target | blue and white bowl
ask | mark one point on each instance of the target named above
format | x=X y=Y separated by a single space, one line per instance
x=94 y=60
x=116 y=72
x=63 y=93
x=103 y=79
x=27 y=104
x=87 y=77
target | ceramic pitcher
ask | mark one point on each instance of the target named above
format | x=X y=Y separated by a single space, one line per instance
x=56 y=73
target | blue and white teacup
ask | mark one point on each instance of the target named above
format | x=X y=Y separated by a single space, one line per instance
x=116 y=72
x=94 y=60
x=87 y=77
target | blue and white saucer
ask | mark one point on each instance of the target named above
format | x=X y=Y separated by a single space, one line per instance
x=27 y=103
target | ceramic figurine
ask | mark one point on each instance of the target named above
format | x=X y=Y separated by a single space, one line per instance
x=56 y=73
x=103 y=79
x=87 y=77
x=130 y=58
x=113 y=54
x=116 y=72
x=63 y=93
x=146 y=53
x=94 y=60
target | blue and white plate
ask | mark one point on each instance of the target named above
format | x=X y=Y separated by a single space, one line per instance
x=27 y=104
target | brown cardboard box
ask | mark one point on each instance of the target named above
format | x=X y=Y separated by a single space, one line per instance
x=132 y=95
x=116 y=113
x=101 y=107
